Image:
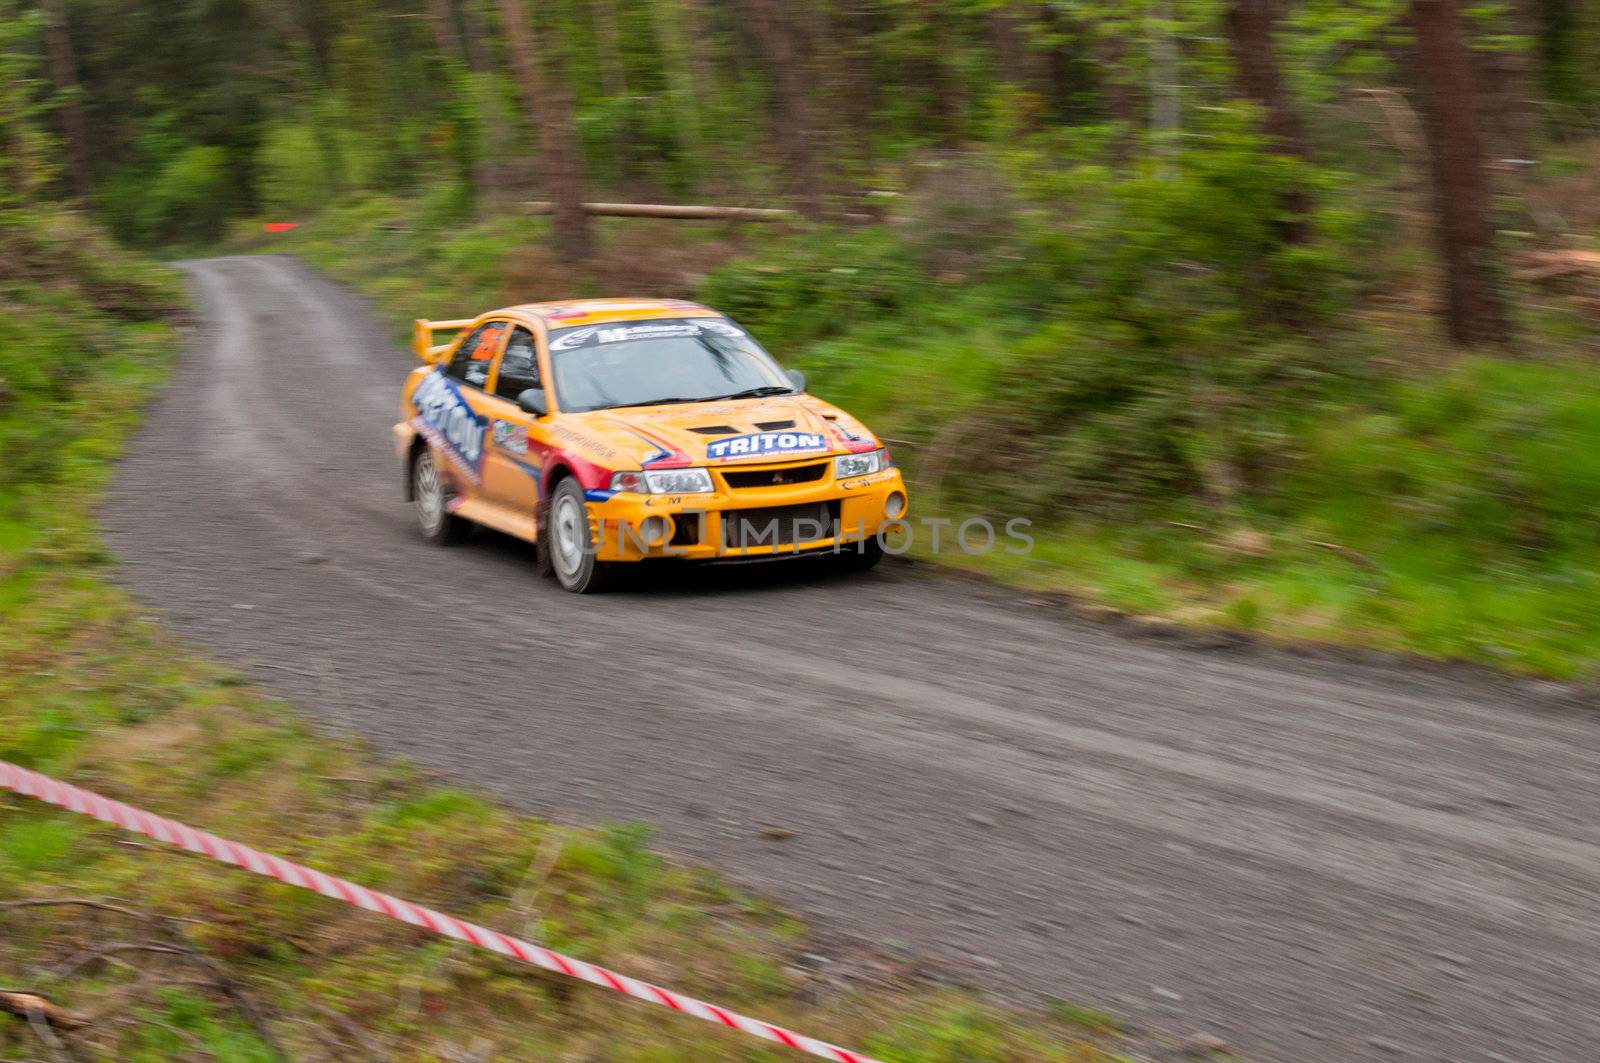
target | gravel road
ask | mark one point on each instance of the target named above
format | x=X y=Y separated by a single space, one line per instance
x=1313 y=859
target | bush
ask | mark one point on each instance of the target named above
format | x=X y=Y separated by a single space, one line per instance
x=818 y=285
x=1092 y=340
x=79 y=301
x=291 y=176
x=176 y=192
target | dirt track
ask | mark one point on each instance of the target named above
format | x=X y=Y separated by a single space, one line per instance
x=1314 y=860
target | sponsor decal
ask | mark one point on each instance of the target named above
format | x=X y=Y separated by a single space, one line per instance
x=766 y=443
x=662 y=455
x=599 y=335
x=853 y=441
x=512 y=437
x=868 y=481
x=594 y=448
x=447 y=421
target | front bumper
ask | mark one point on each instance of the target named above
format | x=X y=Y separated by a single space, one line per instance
x=707 y=527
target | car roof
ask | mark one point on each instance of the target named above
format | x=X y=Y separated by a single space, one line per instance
x=570 y=312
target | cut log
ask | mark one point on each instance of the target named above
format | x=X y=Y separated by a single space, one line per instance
x=670 y=210
x=28 y=1005
x=1543 y=265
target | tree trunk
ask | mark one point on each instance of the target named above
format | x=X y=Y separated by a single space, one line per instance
x=64 y=75
x=1014 y=27
x=851 y=27
x=551 y=111
x=939 y=73
x=674 y=54
x=1250 y=26
x=1474 y=310
x=780 y=39
x=1507 y=75
x=1166 y=102
x=442 y=20
x=697 y=27
x=312 y=23
x=1562 y=74
x=1117 y=91
x=614 y=86
x=499 y=136
x=465 y=138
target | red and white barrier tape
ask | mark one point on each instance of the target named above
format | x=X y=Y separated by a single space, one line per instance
x=33 y=784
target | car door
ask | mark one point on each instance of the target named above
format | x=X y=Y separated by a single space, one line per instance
x=517 y=441
x=452 y=406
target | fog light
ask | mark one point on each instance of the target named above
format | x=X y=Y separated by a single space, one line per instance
x=894 y=507
x=653 y=531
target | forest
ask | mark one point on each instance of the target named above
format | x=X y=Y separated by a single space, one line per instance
x=1279 y=320
x=1274 y=314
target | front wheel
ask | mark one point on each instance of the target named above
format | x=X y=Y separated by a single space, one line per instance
x=431 y=494
x=566 y=544
x=859 y=557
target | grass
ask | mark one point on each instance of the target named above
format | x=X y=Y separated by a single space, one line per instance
x=94 y=691
x=1456 y=522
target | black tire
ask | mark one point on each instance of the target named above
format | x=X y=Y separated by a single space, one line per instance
x=566 y=547
x=541 y=552
x=431 y=494
x=862 y=556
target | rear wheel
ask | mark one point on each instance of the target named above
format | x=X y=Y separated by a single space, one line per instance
x=566 y=545
x=431 y=494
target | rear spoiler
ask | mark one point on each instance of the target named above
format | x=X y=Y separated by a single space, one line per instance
x=422 y=331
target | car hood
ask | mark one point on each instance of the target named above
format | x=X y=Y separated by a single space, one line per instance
x=719 y=432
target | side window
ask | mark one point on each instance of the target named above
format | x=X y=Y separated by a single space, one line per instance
x=519 y=366
x=473 y=357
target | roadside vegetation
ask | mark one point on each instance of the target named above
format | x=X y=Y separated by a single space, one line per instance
x=1280 y=317
x=179 y=958
x=1333 y=472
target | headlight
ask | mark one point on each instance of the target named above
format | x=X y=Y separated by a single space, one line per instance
x=847 y=465
x=664 y=482
x=679 y=481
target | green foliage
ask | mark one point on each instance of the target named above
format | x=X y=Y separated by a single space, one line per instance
x=968 y=1034
x=27 y=162
x=1502 y=457
x=186 y=1019
x=77 y=306
x=1142 y=346
x=806 y=290
x=29 y=846
x=291 y=179
x=619 y=857
x=1121 y=339
x=174 y=191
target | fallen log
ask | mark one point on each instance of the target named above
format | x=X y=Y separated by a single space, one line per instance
x=687 y=212
x=38 y=1008
x=1544 y=265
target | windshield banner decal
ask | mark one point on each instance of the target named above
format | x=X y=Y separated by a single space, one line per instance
x=671 y=328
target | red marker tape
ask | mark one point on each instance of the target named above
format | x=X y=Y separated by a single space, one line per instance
x=279 y=226
x=85 y=802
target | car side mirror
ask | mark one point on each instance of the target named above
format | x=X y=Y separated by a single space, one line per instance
x=797 y=378
x=533 y=402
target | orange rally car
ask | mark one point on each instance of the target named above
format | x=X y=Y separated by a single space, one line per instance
x=609 y=431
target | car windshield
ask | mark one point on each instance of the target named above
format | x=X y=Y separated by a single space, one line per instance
x=646 y=363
